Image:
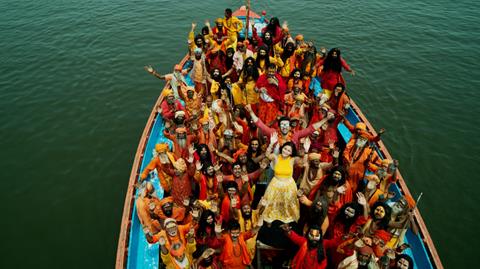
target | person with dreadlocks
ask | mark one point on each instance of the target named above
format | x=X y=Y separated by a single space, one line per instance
x=380 y=217
x=215 y=79
x=196 y=41
x=205 y=230
x=332 y=70
x=312 y=248
x=247 y=80
x=207 y=181
x=358 y=156
x=307 y=65
x=264 y=60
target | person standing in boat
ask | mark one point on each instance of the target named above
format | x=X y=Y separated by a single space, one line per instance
x=284 y=131
x=181 y=180
x=235 y=253
x=358 y=156
x=272 y=93
x=331 y=73
x=233 y=26
x=312 y=248
x=161 y=163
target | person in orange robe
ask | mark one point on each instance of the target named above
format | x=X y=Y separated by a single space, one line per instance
x=181 y=141
x=147 y=217
x=234 y=248
x=358 y=156
x=162 y=162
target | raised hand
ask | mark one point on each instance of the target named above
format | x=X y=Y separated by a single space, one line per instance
x=307 y=144
x=217 y=166
x=361 y=199
x=191 y=232
x=195 y=213
x=194 y=25
x=207 y=23
x=191 y=149
x=381 y=131
x=233 y=202
x=274 y=138
x=336 y=153
x=149 y=69
x=186 y=202
x=341 y=189
x=214 y=207
x=218 y=228
x=198 y=165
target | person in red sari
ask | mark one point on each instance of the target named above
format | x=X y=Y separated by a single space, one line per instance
x=272 y=91
x=311 y=254
x=331 y=73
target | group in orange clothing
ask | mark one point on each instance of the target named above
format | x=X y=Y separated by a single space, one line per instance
x=255 y=174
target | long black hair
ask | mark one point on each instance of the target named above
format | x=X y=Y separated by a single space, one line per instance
x=207 y=159
x=272 y=25
x=383 y=225
x=292 y=145
x=202 y=224
x=267 y=56
x=333 y=63
x=320 y=248
x=250 y=71
x=347 y=222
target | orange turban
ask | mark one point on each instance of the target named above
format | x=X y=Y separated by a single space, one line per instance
x=361 y=126
x=177 y=67
x=238 y=153
x=299 y=38
x=162 y=147
x=168 y=92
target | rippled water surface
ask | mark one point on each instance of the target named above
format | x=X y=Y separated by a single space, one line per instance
x=74 y=99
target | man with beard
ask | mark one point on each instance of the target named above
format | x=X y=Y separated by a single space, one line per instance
x=166 y=208
x=272 y=93
x=380 y=217
x=177 y=246
x=206 y=134
x=339 y=100
x=357 y=157
x=147 y=217
x=284 y=132
x=290 y=97
x=332 y=69
x=233 y=26
x=235 y=253
x=264 y=60
x=240 y=56
x=247 y=80
x=216 y=80
x=362 y=258
x=181 y=142
x=386 y=175
x=196 y=41
x=311 y=254
x=160 y=162
x=219 y=32
x=192 y=100
x=313 y=173
x=181 y=183
x=170 y=105
x=199 y=71
x=207 y=181
x=243 y=180
x=247 y=217
x=205 y=231
x=207 y=260
x=288 y=55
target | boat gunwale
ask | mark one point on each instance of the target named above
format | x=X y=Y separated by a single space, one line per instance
x=123 y=240
x=425 y=235
x=122 y=249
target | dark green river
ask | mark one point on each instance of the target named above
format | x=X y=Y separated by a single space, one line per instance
x=74 y=100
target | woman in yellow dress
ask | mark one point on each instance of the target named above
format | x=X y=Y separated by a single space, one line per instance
x=280 y=199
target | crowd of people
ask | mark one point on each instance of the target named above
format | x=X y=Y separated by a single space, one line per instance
x=256 y=173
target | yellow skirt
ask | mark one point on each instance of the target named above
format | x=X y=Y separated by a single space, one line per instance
x=282 y=201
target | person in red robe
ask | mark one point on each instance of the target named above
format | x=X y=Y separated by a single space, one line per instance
x=311 y=254
x=331 y=73
x=272 y=93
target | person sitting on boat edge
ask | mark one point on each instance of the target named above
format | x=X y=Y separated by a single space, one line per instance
x=146 y=213
x=176 y=79
x=161 y=162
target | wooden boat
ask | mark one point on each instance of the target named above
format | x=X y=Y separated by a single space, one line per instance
x=135 y=252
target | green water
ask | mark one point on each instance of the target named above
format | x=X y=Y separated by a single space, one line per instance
x=74 y=99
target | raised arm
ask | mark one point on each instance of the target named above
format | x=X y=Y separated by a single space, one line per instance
x=153 y=72
x=265 y=129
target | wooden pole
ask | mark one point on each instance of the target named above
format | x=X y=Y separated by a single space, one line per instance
x=248 y=19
